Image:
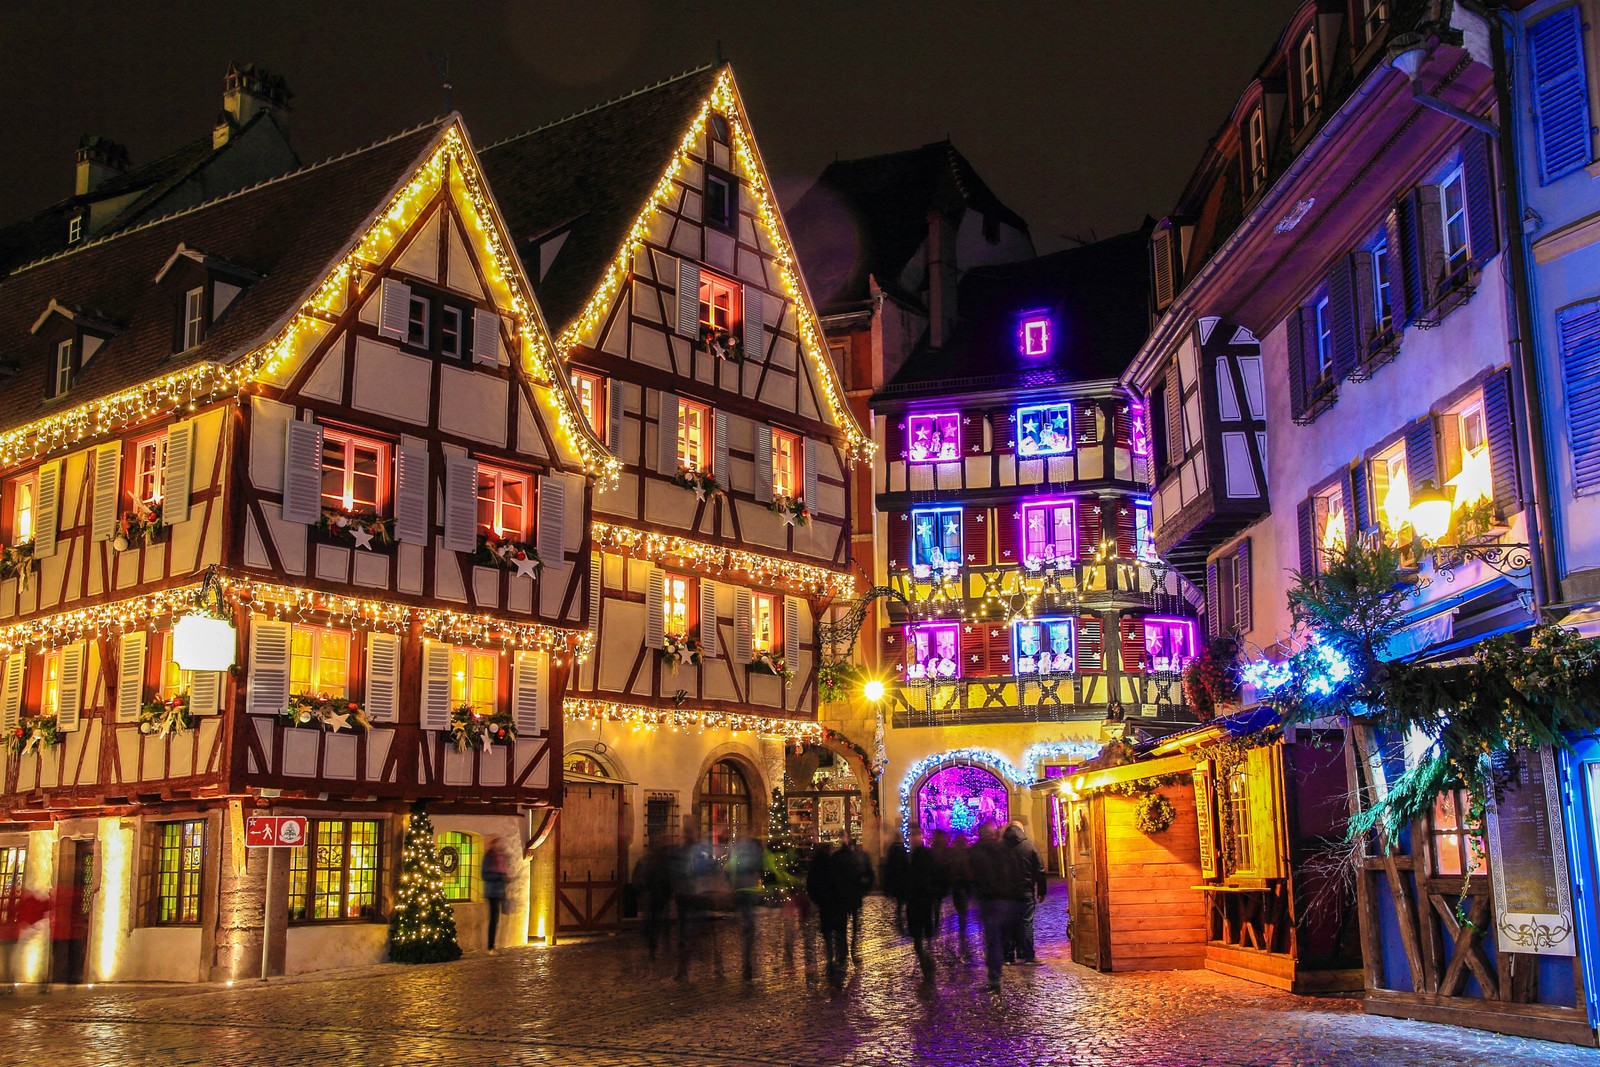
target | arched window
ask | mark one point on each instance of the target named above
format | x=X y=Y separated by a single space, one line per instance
x=724 y=802
x=458 y=859
x=585 y=763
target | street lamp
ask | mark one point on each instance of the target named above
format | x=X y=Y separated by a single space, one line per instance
x=1430 y=513
x=204 y=639
x=873 y=691
x=1407 y=53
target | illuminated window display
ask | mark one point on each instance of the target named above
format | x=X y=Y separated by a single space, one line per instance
x=1170 y=643
x=1044 y=646
x=960 y=800
x=1044 y=430
x=934 y=648
x=934 y=438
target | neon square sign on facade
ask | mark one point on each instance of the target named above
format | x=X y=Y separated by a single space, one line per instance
x=1034 y=334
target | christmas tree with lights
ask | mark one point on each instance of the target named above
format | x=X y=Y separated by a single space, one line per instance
x=423 y=928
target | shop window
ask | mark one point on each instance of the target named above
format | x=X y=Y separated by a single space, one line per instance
x=458 y=859
x=934 y=650
x=1044 y=430
x=1169 y=644
x=474 y=679
x=766 y=622
x=725 y=808
x=680 y=606
x=180 y=859
x=1240 y=839
x=787 y=476
x=334 y=876
x=935 y=539
x=1044 y=646
x=505 y=502
x=660 y=821
x=1049 y=533
x=354 y=473
x=319 y=661
x=13 y=868
x=934 y=438
x=1456 y=851
x=694 y=436
x=591 y=392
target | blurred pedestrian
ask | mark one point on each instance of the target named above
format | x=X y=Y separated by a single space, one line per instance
x=746 y=871
x=783 y=881
x=924 y=887
x=1030 y=890
x=955 y=862
x=494 y=885
x=894 y=879
x=652 y=878
x=853 y=869
x=996 y=874
x=833 y=914
x=32 y=910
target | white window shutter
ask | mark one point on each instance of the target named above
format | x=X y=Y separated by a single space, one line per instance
x=460 y=504
x=530 y=693
x=394 y=310
x=485 y=337
x=302 y=472
x=71 y=705
x=205 y=692
x=791 y=630
x=708 y=619
x=177 y=477
x=743 y=625
x=614 y=416
x=596 y=587
x=667 y=435
x=719 y=450
x=107 y=491
x=655 y=604
x=11 y=691
x=688 y=324
x=754 y=344
x=764 y=488
x=47 y=513
x=268 y=667
x=551 y=540
x=435 y=686
x=412 y=492
x=810 y=473
x=130 y=675
x=383 y=677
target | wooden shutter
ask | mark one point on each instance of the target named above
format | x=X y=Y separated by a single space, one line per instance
x=791 y=630
x=1421 y=455
x=530 y=692
x=1501 y=430
x=596 y=589
x=974 y=649
x=754 y=343
x=71 y=705
x=763 y=487
x=107 y=491
x=460 y=504
x=11 y=690
x=1264 y=812
x=394 y=309
x=809 y=471
x=1132 y=633
x=435 y=686
x=1007 y=533
x=655 y=603
x=1213 y=600
x=1125 y=535
x=1002 y=441
x=1296 y=338
x=892 y=649
x=1560 y=93
x=1477 y=168
x=708 y=619
x=1430 y=237
x=743 y=625
x=999 y=648
x=1412 y=258
x=1580 y=381
x=1365 y=297
x=269 y=667
x=1308 y=537
x=130 y=675
x=899 y=539
x=1090 y=527
x=412 y=492
x=975 y=523
x=551 y=541
x=485 y=337
x=1347 y=494
x=1361 y=496
x=614 y=416
x=1084 y=422
x=688 y=324
x=719 y=450
x=1342 y=308
x=1395 y=268
x=47 y=512
x=1161 y=267
x=1175 y=450
x=302 y=472
x=205 y=692
x=1243 y=615
x=667 y=434
x=383 y=677
x=177 y=475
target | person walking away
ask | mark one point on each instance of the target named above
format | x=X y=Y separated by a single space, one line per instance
x=956 y=860
x=924 y=887
x=895 y=865
x=856 y=879
x=996 y=872
x=781 y=879
x=1030 y=890
x=833 y=917
x=746 y=868
x=652 y=877
x=494 y=885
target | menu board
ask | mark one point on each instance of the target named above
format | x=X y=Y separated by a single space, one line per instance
x=1528 y=861
x=1204 y=819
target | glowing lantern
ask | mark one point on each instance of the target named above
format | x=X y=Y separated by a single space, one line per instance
x=1430 y=513
x=204 y=639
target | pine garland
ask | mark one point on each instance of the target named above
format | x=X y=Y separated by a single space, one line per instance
x=423 y=926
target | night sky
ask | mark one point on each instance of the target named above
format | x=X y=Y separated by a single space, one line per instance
x=1082 y=115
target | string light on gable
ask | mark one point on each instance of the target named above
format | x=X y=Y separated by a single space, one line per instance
x=717 y=560
x=641 y=717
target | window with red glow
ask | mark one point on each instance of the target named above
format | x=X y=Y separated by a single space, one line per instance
x=591 y=391
x=354 y=472
x=786 y=473
x=717 y=299
x=149 y=463
x=505 y=502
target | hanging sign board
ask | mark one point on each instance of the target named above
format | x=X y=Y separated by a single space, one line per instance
x=1204 y=819
x=1528 y=861
x=275 y=831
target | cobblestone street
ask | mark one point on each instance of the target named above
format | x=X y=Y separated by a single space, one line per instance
x=602 y=1002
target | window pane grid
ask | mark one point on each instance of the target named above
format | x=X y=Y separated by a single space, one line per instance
x=181 y=853
x=13 y=865
x=336 y=877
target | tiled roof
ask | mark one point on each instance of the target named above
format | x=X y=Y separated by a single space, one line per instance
x=1095 y=296
x=589 y=175
x=288 y=230
x=870 y=217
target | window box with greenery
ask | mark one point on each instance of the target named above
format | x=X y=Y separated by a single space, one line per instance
x=34 y=733
x=679 y=650
x=361 y=529
x=163 y=717
x=319 y=711
x=702 y=483
x=16 y=560
x=722 y=343
x=793 y=510
x=507 y=553
x=471 y=729
x=143 y=525
x=766 y=661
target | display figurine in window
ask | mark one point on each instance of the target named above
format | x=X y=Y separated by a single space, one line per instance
x=1155 y=644
x=919 y=443
x=946 y=649
x=1177 y=651
x=936 y=445
x=918 y=667
x=1028 y=649
x=1061 y=645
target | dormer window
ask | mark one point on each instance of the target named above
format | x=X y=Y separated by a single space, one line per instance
x=1256 y=148
x=719 y=127
x=451 y=337
x=1374 y=13
x=65 y=370
x=1310 y=79
x=74 y=229
x=194 y=317
x=719 y=200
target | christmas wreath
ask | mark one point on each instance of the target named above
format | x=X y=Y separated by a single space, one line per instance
x=1153 y=814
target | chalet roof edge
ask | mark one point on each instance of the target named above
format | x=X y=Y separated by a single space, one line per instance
x=680 y=76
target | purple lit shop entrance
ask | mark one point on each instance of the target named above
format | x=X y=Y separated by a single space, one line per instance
x=960 y=799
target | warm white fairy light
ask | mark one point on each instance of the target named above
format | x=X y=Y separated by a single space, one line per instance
x=698 y=720
x=718 y=560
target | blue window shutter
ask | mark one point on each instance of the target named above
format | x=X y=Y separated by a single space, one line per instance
x=1422 y=455
x=1500 y=430
x=1560 y=93
x=1342 y=306
x=1297 y=362
x=1580 y=380
x=1308 y=538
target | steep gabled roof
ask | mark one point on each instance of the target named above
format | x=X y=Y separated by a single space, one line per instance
x=870 y=216
x=588 y=175
x=289 y=231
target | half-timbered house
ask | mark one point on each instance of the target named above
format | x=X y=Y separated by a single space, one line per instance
x=649 y=228
x=329 y=402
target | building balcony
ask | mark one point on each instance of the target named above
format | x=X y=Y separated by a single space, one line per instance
x=1012 y=591
x=1152 y=698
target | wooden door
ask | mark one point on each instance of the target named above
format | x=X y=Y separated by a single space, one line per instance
x=74 y=901
x=1085 y=841
x=590 y=858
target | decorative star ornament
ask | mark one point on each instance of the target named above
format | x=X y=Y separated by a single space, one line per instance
x=339 y=720
x=788 y=518
x=700 y=492
x=525 y=566
x=362 y=537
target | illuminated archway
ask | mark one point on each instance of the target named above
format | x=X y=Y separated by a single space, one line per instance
x=961 y=798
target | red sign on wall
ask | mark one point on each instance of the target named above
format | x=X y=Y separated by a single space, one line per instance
x=274 y=831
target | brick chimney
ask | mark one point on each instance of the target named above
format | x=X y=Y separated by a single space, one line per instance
x=247 y=91
x=97 y=160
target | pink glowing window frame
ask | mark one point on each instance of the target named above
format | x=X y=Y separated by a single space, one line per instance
x=933 y=650
x=1034 y=335
x=1170 y=644
x=933 y=438
x=1138 y=429
x=1054 y=539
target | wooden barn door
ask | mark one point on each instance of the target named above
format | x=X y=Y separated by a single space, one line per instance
x=1085 y=844
x=590 y=858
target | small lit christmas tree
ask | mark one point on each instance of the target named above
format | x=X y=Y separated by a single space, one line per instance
x=423 y=928
x=778 y=821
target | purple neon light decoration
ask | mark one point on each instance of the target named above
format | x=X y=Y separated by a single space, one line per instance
x=1045 y=646
x=1044 y=430
x=1138 y=429
x=1170 y=643
x=935 y=651
x=1049 y=532
x=1033 y=334
x=933 y=438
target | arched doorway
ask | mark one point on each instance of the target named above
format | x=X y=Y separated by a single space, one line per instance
x=823 y=795
x=960 y=798
x=725 y=806
x=591 y=846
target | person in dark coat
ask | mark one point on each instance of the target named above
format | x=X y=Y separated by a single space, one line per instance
x=652 y=877
x=996 y=878
x=924 y=887
x=853 y=870
x=494 y=885
x=833 y=914
x=1030 y=890
x=746 y=867
x=895 y=866
x=955 y=862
